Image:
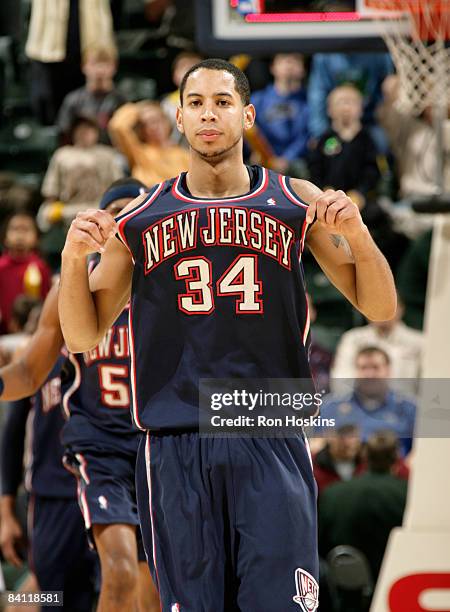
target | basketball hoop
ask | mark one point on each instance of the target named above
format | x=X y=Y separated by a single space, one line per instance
x=421 y=57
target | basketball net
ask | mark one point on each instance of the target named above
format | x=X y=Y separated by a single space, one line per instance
x=422 y=59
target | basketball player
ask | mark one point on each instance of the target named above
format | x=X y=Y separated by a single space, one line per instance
x=58 y=550
x=100 y=432
x=211 y=261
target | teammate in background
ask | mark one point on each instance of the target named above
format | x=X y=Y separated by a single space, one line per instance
x=106 y=490
x=211 y=261
x=58 y=550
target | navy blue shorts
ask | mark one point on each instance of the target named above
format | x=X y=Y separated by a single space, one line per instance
x=106 y=486
x=106 y=489
x=59 y=552
x=229 y=524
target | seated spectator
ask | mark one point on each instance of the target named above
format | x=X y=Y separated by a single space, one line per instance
x=142 y=132
x=365 y=70
x=170 y=102
x=98 y=98
x=340 y=458
x=344 y=157
x=413 y=142
x=373 y=404
x=22 y=271
x=282 y=113
x=362 y=511
x=78 y=173
x=401 y=343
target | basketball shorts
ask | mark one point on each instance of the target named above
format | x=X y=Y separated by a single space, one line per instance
x=106 y=488
x=229 y=524
x=59 y=552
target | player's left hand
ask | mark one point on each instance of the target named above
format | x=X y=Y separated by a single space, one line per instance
x=336 y=211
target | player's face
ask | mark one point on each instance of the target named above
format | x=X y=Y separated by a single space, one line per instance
x=213 y=117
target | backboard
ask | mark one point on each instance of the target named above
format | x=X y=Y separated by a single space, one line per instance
x=264 y=27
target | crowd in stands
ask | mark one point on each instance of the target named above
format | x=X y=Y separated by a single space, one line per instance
x=331 y=118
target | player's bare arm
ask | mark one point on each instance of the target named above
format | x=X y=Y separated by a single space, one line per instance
x=26 y=374
x=89 y=305
x=344 y=249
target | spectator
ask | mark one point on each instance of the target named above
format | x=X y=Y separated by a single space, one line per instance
x=413 y=142
x=21 y=324
x=344 y=157
x=170 y=102
x=372 y=404
x=80 y=172
x=362 y=511
x=401 y=343
x=22 y=271
x=142 y=133
x=340 y=458
x=98 y=98
x=59 y=33
x=365 y=70
x=282 y=112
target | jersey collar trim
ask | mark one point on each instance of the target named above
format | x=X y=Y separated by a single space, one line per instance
x=262 y=186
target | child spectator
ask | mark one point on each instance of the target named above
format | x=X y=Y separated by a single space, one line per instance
x=365 y=70
x=169 y=103
x=80 y=172
x=345 y=155
x=22 y=271
x=282 y=112
x=142 y=132
x=98 y=98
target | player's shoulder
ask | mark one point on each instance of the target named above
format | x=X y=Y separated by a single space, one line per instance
x=305 y=190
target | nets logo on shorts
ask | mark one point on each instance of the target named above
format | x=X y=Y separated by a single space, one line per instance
x=307 y=591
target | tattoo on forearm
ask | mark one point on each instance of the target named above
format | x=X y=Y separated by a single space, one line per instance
x=340 y=241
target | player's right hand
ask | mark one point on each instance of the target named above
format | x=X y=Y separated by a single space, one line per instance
x=88 y=233
x=11 y=535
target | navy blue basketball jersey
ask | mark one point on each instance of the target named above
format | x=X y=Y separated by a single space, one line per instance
x=96 y=396
x=218 y=292
x=45 y=474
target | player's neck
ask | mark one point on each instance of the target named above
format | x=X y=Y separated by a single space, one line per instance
x=227 y=178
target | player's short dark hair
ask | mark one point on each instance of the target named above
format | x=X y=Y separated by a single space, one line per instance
x=371 y=350
x=382 y=451
x=240 y=80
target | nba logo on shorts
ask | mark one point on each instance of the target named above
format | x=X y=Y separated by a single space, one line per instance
x=307 y=591
x=175 y=607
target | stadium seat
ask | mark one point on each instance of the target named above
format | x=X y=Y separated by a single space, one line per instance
x=350 y=575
